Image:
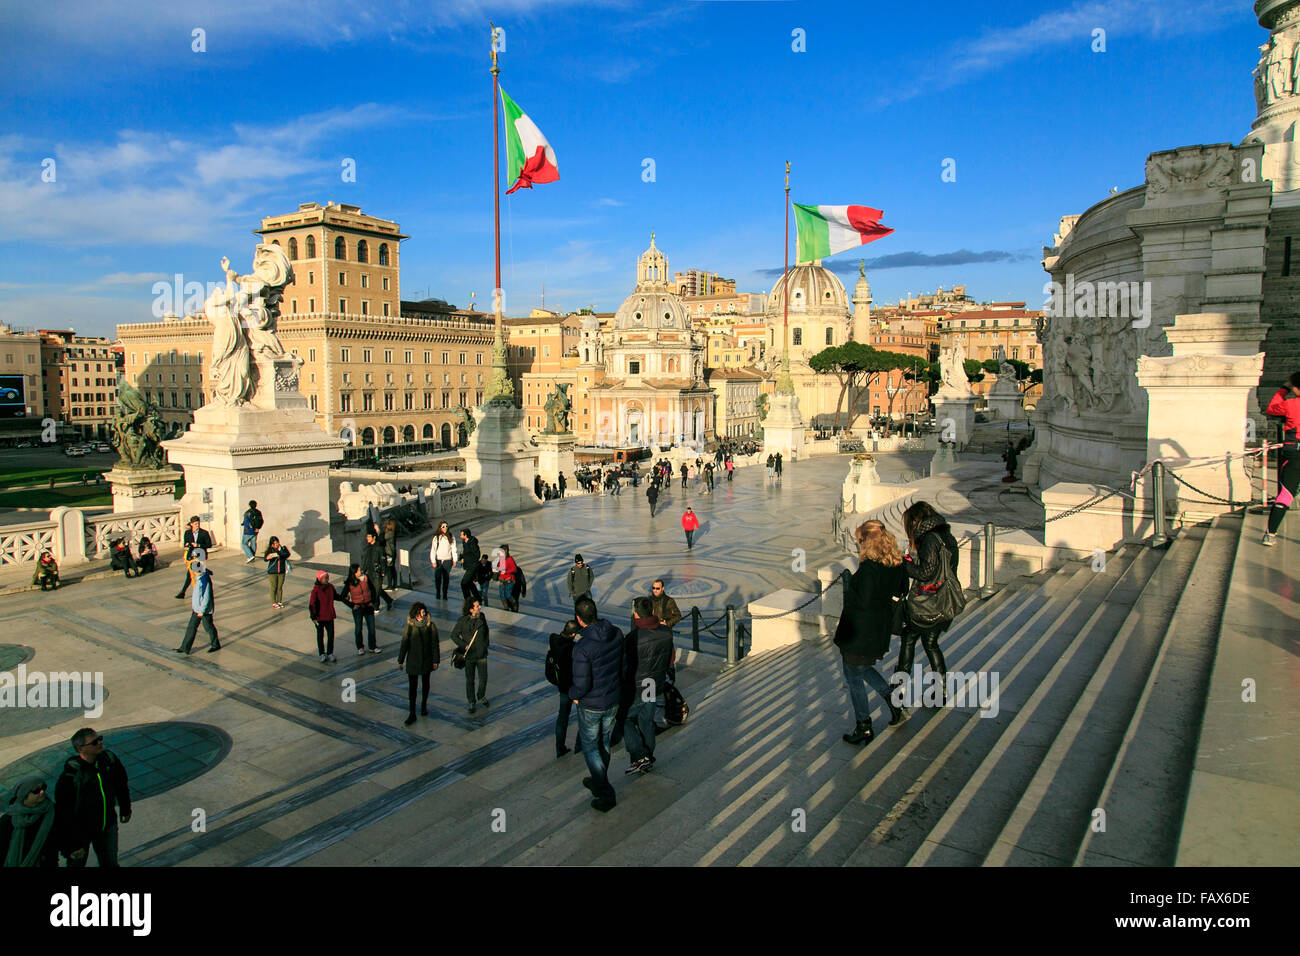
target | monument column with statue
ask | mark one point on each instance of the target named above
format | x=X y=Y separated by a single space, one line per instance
x=256 y=438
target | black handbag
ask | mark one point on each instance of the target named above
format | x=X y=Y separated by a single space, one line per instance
x=936 y=604
x=458 y=655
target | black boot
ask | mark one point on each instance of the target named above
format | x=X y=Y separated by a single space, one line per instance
x=860 y=734
x=896 y=714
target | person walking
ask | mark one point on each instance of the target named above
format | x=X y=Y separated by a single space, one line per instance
x=91 y=795
x=665 y=609
x=27 y=827
x=202 y=605
x=598 y=673
x=873 y=595
x=419 y=654
x=471 y=635
x=652 y=495
x=1286 y=404
x=505 y=570
x=277 y=566
x=46 y=574
x=685 y=473
x=251 y=525
x=371 y=561
x=564 y=483
x=361 y=597
x=771 y=465
x=146 y=556
x=928 y=537
x=731 y=467
x=443 y=557
x=390 y=555
x=195 y=538
x=777 y=465
x=653 y=653
x=320 y=606
x=469 y=561
x=580 y=579
x=1011 y=456
x=561 y=654
x=690 y=524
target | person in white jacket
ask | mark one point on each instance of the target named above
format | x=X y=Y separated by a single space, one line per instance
x=442 y=555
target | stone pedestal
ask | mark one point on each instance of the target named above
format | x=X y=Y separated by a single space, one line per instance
x=136 y=489
x=860 y=483
x=943 y=460
x=1199 y=401
x=1005 y=401
x=783 y=429
x=954 y=417
x=555 y=455
x=271 y=451
x=501 y=459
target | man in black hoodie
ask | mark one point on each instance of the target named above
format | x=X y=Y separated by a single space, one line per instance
x=87 y=799
x=469 y=555
x=598 y=671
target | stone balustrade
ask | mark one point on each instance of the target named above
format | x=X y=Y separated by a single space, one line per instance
x=74 y=537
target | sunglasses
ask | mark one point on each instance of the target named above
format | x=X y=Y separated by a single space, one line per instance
x=94 y=743
x=40 y=789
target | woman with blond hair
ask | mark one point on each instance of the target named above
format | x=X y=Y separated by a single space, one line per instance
x=870 y=599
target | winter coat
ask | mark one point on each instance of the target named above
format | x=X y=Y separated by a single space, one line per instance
x=931 y=535
x=1286 y=405
x=321 y=603
x=562 y=653
x=508 y=569
x=361 y=594
x=472 y=633
x=442 y=549
x=520 y=587
x=863 y=632
x=372 y=560
x=277 y=560
x=690 y=521
x=469 y=557
x=665 y=608
x=87 y=798
x=598 y=666
x=580 y=580
x=419 y=648
x=654 y=653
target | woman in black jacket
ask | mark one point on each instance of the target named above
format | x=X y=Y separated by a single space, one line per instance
x=562 y=654
x=419 y=654
x=863 y=633
x=27 y=825
x=928 y=536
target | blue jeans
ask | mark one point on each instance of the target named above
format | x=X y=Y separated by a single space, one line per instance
x=505 y=588
x=857 y=677
x=249 y=543
x=639 y=730
x=595 y=729
x=562 y=723
x=368 y=616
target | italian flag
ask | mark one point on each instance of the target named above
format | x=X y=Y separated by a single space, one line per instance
x=531 y=158
x=826 y=230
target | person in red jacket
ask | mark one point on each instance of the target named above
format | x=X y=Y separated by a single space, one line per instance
x=1285 y=404
x=690 y=524
x=321 y=608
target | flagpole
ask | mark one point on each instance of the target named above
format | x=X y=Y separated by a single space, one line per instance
x=785 y=384
x=499 y=390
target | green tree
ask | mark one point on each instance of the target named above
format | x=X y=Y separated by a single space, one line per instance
x=857 y=366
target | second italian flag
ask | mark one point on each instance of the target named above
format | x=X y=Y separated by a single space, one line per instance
x=530 y=156
x=826 y=230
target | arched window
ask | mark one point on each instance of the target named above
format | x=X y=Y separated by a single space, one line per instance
x=363 y=251
x=446 y=434
x=390 y=435
x=797 y=337
x=275 y=242
x=293 y=250
x=408 y=433
x=368 y=436
x=428 y=432
x=340 y=248
x=311 y=247
x=383 y=253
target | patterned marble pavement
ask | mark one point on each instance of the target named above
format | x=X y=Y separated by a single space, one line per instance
x=318 y=766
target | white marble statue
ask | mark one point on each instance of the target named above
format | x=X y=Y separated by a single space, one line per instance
x=952 y=370
x=243 y=317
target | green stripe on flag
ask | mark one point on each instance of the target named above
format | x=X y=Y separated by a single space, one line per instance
x=514 y=146
x=814 y=240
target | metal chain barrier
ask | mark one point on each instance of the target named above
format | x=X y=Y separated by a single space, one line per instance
x=1213 y=499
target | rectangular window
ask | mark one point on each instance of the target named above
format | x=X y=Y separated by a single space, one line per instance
x=345 y=402
x=385 y=283
x=312 y=399
x=385 y=308
x=478 y=356
x=446 y=400
x=407 y=356
x=478 y=398
x=388 y=356
x=311 y=278
x=388 y=401
x=365 y=281
x=445 y=359
x=633 y=367
x=311 y=305
x=428 y=400
x=343 y=306
x=366 y=356
x=188 y=400
x=345 y=355
x=462 y=361
x=343 y=278
x=408 y=401
x=428 y=358
x=368 y=402
x=293 y=305
x=311 y=355
x=462 y=399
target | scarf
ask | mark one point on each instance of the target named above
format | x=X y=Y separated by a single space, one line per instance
x=37 y=820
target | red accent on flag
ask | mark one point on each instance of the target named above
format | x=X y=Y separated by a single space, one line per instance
x=538 y=170
x=867 y=221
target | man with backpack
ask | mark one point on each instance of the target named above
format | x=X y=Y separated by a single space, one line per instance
x=251 y=526
x=559 y=671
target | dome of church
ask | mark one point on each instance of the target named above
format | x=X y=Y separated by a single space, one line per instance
x=815 y=291
x=591 y=324
x=653 y=304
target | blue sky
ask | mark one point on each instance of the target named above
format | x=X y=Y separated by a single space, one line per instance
x=167 y=158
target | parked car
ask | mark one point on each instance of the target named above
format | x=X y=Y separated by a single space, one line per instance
x=444 y=483
x=24 y=444
x=102 y=447
x=72 y=451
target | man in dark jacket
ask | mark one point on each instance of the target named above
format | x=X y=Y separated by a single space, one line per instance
x=580 y=580
x=469 y=555
x=598 y=671
x=195 y=538
x=562 y=655
x=654 y=651
x=471 y=633
x=652 y=496
x=372 y=562
x=249 y=528
x=87 y=799
x=665 y=609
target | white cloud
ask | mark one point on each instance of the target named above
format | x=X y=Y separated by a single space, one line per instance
x=610 y=202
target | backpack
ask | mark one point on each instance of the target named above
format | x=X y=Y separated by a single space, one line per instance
x=256 y=521
x=936 y=604
x=676 y=709
x=552 y=669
